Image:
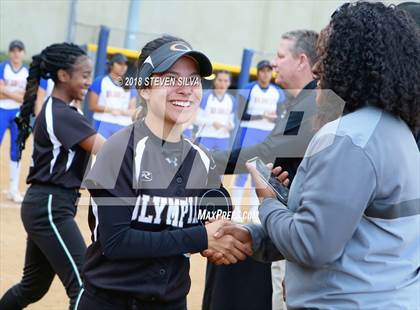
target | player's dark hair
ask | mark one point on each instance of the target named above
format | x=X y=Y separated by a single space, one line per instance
x=44 y=65
x=223 y=72
x=145 y=52
x=109 y=66
x=369 y=56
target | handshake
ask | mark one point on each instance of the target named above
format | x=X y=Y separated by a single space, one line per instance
x=228 y=242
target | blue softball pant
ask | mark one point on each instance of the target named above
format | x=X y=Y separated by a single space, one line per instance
x=7 y=121
x=214 y=144
x=107 y=129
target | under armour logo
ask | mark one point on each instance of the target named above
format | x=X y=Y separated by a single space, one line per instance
x=173 y=161
x=149 y=61
x=146 y=176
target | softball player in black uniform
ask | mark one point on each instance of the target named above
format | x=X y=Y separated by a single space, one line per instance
x=146 y=187
x=63 y=139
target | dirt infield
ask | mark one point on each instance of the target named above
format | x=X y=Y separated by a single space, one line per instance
x=13 y=239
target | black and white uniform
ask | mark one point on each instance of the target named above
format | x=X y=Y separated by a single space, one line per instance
x=54 y=243
x=146 y=210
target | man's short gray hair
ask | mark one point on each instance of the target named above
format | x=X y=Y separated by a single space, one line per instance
x=304 y=43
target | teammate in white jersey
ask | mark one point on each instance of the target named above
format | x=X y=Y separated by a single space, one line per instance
x=45 y=89
x=216 y=116
x=259 y=104
x=111 y=103
x=13 y=76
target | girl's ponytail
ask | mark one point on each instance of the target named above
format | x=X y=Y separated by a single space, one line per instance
x=27 y=108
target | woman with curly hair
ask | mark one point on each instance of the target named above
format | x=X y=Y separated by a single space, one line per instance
x=350 y=232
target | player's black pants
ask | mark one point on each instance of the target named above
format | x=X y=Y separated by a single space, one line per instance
x=96 y=299
x=54 y=246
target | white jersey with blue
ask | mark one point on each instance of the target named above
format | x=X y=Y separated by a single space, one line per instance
x=114 y=96
x=258 y=101
x=47 y=86
x=14 y=81
x=214 y=109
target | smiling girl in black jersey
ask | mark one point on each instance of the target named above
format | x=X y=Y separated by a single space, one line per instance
x=147 y=185
x=63 y=139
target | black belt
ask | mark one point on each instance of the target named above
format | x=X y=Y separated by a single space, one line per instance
x=133 y=302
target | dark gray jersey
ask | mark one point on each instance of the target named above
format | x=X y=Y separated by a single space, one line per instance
x=145 y=213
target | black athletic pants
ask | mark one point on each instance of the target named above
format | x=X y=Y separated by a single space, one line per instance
x=54 y=246
x=96 y=299
x=242 y=286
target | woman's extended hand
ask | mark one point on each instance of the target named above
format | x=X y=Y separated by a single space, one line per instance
x=261 y=188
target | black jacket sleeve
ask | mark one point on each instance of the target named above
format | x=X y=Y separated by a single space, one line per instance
x=285 y=146
x=119 y=240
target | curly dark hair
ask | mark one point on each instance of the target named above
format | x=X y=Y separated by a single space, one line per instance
x=369 y=54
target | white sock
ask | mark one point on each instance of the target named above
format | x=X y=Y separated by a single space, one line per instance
x=14 y=176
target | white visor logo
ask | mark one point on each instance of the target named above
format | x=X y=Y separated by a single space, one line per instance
x=179 y=47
